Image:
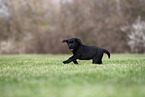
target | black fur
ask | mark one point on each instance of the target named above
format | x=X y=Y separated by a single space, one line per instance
x=83 y=52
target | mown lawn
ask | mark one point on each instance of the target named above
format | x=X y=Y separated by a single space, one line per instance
x=45 y=76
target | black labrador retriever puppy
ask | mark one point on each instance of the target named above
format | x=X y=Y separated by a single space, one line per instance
x=83 y=52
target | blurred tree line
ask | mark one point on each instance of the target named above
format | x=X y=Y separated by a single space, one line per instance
x=39 y=26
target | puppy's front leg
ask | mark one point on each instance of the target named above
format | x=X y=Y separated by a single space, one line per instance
x=73 y=58
x=75 y=61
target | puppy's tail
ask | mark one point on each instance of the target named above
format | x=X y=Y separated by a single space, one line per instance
x=107 y=52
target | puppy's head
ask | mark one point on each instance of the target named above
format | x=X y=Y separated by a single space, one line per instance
x=73 y=43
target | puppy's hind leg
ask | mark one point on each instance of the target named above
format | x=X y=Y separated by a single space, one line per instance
x=97 y=60
x=75 y=62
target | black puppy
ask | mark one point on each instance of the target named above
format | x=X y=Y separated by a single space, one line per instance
x=83 y=52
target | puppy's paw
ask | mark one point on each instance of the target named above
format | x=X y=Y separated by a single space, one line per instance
x=75 y=62
x=65 y=62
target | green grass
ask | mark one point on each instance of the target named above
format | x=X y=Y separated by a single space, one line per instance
x=45 y=76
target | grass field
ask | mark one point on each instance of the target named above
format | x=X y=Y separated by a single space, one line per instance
x=45 y=76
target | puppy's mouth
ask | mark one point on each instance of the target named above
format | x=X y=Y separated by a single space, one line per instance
x=71 y=50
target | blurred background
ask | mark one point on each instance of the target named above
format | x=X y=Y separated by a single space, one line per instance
x=39 y=26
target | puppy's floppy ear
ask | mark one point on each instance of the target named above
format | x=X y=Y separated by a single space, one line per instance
x=65 y=41
x=78 y=40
